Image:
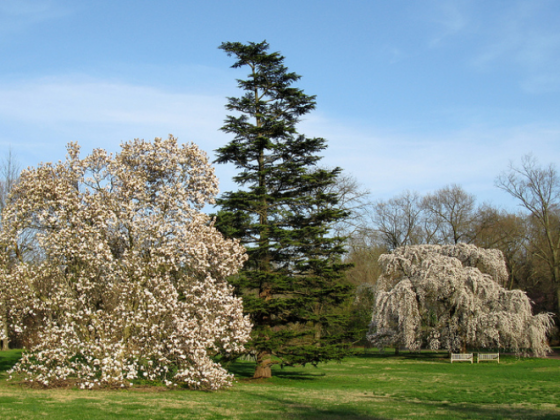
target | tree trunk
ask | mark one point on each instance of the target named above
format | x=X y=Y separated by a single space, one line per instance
x=262 y=370
x=558 y=302
x=5 y=330
x=318 y=330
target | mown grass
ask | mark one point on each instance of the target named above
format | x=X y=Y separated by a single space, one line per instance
x=363 y=387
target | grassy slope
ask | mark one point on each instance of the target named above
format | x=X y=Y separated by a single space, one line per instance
x=367 y=387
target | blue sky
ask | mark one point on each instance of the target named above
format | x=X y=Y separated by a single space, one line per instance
x=410 y=94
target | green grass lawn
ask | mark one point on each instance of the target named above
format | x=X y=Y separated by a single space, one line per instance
x=370 y=386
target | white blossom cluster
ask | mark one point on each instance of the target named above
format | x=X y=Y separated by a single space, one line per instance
x=450 y=297
x=128 y=278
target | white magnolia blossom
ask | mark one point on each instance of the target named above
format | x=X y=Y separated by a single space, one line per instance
x=128 y=278
x=451 y=297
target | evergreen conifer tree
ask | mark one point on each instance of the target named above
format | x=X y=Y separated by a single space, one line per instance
x=294 y=283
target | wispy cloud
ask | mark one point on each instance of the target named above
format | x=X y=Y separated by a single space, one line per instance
x=525 y=37
x=393 y=54
x=389 y=163
x=39 y=117
x=522 y=36
x=434 y=24
x=58 y=100
x=71 y=100
x=16 y=15
x=449 y=18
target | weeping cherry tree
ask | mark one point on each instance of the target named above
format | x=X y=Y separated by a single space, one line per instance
x=452 y=297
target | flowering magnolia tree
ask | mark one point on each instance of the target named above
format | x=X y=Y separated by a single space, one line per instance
x=128 y=278
x=452 y=297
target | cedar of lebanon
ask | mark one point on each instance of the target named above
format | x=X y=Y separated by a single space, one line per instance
x=293 y=283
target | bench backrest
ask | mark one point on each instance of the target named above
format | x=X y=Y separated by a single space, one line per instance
x=488 y=356
x=462 y=357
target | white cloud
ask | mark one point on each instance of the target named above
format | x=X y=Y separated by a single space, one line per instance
x=60 y=101
x=541 y=83
x=450 y=17
x=524 y=37
x=20 y=14
x=39 y=117
x=389 y=163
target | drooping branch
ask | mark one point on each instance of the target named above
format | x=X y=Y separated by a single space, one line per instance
x=452 y=297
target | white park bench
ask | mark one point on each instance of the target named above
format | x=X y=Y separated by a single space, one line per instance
x=488 y=356
x=461 y=357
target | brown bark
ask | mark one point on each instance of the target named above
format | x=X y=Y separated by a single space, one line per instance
x=262 y=370
x=318 y=330
x=5 y=341
x=558 y=300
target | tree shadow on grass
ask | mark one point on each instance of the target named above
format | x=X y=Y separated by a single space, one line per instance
x=493 y=412
x=242 y=370
x=8 y=359
x=297 y=375
x=484 y=412
x=405 y=355
x=245 y=371
x=375 y=356
x=296 y=410
x=426 y=356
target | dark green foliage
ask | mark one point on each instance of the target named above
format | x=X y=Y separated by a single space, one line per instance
x=294 y=280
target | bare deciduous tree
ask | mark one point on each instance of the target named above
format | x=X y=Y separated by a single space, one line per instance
x=538 y=191
x=9 y=174
x=505 y=231
x=353 y=199
x=398 y=220
x=451 y=211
